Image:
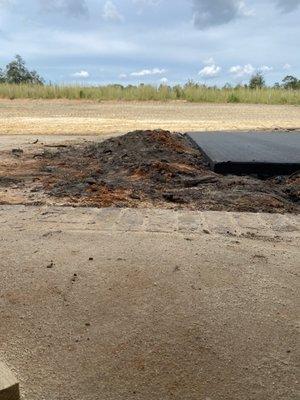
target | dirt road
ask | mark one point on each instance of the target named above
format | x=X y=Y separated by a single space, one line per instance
x=86 y=118
x=129 y=304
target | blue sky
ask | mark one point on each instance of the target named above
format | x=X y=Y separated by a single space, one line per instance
x=153 y=41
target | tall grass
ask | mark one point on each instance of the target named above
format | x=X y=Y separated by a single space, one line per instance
x=191 y=93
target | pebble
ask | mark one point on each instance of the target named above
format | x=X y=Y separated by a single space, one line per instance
x=51 y=265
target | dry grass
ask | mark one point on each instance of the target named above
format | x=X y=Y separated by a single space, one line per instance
x=192 y=93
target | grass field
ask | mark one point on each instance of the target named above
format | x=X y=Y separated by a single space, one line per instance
x=191 y=93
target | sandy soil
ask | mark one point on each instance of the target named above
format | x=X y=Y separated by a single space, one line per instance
x=147 y=305
x=82 y=117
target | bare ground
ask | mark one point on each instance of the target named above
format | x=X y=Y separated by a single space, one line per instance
x=64 y=117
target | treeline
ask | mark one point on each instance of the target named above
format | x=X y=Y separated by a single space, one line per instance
x=17 y=82
x=258 y=81
x=17 y=73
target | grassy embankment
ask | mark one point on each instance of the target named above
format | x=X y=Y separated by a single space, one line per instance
x=146 y=92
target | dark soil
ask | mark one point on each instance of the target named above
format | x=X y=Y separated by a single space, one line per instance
x=6 y=181
x=158 y=168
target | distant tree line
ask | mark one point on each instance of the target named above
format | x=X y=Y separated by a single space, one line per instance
x=16 y=72
x=257 y=81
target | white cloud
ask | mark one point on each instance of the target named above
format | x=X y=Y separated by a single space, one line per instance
x=81 y=74
x=145 y=72
x=210 y=71
x=164 y=81
x=111 y=12
x=265 y=69
x=241 y=71
x=287 y=66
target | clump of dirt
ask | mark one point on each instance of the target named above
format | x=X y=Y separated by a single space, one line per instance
x=6 y=181
x=157 y=168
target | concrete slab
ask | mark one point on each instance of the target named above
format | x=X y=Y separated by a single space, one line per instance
x=149 y=304
x=9 y=386
x=250 y=152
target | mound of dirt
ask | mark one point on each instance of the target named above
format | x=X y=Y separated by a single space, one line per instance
x=157 y=168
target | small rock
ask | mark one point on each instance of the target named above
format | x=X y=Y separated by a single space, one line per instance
x=91 y=181
x=135 y=196
x=206 y=231
x=279 y=179
x=51 y=265
x=49 y=169
x=17 y=152
x=173 y=198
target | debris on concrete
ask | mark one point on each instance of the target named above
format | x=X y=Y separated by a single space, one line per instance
x=51 y=265
x=17 y=152
x=148 y=169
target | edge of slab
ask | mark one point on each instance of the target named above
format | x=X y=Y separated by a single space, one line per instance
x=9 y=386
x=244 y=167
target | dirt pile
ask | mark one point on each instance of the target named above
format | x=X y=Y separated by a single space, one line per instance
x=157 y=168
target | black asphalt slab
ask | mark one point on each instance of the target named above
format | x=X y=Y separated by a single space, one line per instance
x=250 y=152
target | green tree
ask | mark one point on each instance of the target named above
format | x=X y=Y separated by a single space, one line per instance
x=291 y=82
x=257 y=81
x=191 y=84
x=2 y=77
x=179 y=93
x=16 y=72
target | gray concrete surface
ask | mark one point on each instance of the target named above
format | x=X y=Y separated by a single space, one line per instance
x=246 y=152
x=7 y=142
x=107 y=304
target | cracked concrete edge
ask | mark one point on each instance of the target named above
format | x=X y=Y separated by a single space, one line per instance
x=9 y=386
x=152 y=220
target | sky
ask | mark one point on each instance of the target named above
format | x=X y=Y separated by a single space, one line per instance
x=153 y=41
